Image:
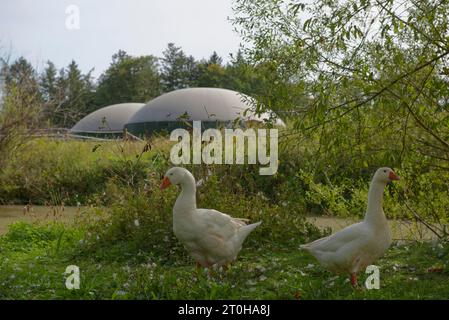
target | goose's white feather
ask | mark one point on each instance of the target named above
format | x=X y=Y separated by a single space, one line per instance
x=210 y=236
x=360 y=244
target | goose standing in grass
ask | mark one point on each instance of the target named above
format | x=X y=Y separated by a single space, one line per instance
x=357 y=246
x=211 y=237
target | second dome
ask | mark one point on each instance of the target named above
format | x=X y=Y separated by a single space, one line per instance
x=208 y=105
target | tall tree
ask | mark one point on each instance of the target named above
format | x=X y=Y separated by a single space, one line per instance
x=21 y=85
x=20 y=106
x=49 y=89
x=178 y=69
x=21 y=76
x=211 y=73
x=129 y=79
x=215 y=59
x=74 y=96
x=362 y=62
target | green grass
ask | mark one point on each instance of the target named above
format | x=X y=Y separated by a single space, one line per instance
x=34 y=259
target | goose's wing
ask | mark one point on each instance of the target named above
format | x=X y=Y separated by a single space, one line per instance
x=218 y=234
x=356 y=232
x=218 y=223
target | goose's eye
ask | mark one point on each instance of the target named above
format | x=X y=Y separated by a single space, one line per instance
x=171 y=174
x=385 y=171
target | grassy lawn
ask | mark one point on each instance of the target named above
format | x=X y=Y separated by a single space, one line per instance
x=34 y=259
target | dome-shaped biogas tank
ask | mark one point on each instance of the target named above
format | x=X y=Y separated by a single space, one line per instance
x=107 y=120
x=211 y=106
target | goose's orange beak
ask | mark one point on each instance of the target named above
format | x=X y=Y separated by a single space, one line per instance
x=165 y=183
x=392 y=176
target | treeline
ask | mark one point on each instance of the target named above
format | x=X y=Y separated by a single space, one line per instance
x=61 y=97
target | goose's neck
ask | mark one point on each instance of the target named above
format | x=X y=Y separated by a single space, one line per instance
x=374 y=212
x=186 y=201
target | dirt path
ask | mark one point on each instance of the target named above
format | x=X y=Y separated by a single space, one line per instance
x=11 y=214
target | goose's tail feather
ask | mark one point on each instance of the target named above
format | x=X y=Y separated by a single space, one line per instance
x=244 y=231
x=309 y=247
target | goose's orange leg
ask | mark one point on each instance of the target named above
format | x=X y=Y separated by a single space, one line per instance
x=354 y=280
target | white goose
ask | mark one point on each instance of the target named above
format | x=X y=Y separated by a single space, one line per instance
x=211 y=237
x=357 y=246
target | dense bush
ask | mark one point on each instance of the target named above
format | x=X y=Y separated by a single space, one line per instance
x=70 y=172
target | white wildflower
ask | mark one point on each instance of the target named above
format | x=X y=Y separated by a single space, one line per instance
x=251 y=282
x=199 y=183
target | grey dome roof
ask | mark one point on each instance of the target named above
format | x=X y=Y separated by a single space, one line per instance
x=204 y=104
x=109 y=119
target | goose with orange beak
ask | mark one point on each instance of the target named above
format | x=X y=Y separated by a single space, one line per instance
x=357 y=246
x=211 y=237
x=165 y=183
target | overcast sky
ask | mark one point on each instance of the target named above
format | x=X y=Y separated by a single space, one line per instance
x=37 y=29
